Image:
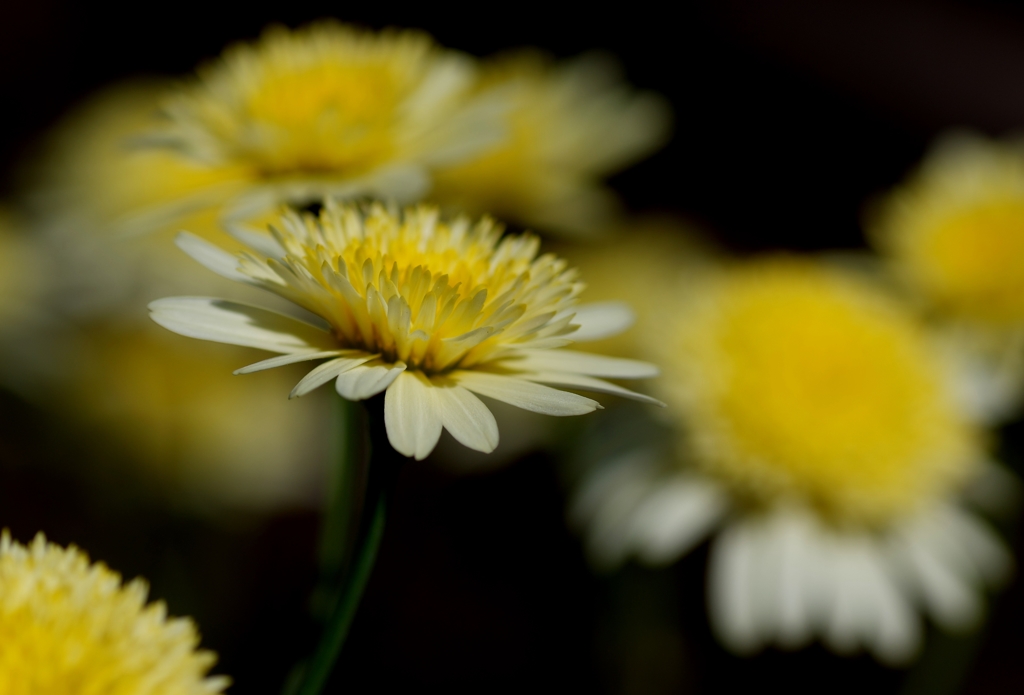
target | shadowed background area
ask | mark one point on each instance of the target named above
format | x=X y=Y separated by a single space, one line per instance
x=789 y=116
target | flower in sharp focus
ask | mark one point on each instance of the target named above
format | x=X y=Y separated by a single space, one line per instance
x=326 y=110
x=432 y=312
x=69 y=627
x=568 y=126
x=953 y=234
x=814 y=424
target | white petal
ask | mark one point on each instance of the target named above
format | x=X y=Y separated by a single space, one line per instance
x=579 y=381
x=283 y=360
x=851 y=616
x=602 y=320
x=367 y=380
x=869 y=608
x=525 y=394
x=327 y=371
x=675 y=517
x=605 y=507
x=412 y=415
x=607 y=476
x=799 y=582
x=212 y=257
x=731 y=573
x=221 y=321
x=575 y=362
x=259 y=241
x=991 y=559
x=467 y=418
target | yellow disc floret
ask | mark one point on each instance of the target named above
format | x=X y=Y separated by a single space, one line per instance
x=71 y=628
x=800 y=381
x=955 y=230
x=412 y=288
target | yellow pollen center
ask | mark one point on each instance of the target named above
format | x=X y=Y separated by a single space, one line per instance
x=321 y=118
x=974 y=260
x=437 y=296
x=806 y=383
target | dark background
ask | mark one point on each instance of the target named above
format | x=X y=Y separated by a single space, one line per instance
x=789 y=116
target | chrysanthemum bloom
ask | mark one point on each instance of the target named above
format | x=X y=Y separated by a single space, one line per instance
x=326 y=110
x=70 y=628
x=568 y=126
x=954 y=234
x=816 y=428
x=432 y=312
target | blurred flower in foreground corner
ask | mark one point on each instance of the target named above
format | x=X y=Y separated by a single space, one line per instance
x=954 y=235
x=813 y=424
x=432 y=312
x=568 y=127
x=71 y=628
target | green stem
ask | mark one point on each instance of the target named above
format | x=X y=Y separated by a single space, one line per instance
x=364 y=476
x=347 y=491
x=319 y=669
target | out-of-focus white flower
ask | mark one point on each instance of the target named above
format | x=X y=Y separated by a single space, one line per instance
x=953 y=234
x=813 y=425
x=568 y=126
x=428 y=311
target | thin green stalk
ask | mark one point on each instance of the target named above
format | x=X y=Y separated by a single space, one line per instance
x=319 y=668
x=363 y=477
x=347 y=486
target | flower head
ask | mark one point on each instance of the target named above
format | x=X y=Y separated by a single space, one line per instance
x=568 y=126
x=325 y=110
x=431 y=311
x=71 y=628
x=813 y=420
x=954 y=230
x=797 y=380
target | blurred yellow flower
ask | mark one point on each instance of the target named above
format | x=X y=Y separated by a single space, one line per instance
x=815 y=421
x=430 y=311
x=71 y=628
x=208 y=441
x=955 y=229
x=326 y=110
x=568 y=126
x=798 y=381
x=953 y=233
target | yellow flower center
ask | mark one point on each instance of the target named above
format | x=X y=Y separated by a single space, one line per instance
x=974 y=260
x=68 y=628
x=435 y=295
x=799 y=381
x=324 y=100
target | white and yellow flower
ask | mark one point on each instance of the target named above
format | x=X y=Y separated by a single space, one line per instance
x=568 y=127
x=326 y=110
x=815 y=426
x=432 y=312
x=69 y=627
x=953 y=234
